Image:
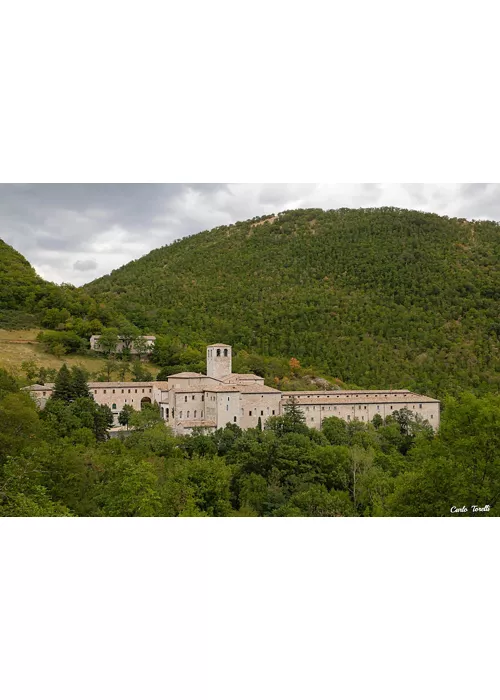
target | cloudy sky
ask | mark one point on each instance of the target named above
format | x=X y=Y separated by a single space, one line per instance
x=75 y=233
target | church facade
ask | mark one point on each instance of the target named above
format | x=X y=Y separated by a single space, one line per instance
x=190 y=400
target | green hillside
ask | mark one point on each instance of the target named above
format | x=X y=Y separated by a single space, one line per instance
x=376 y=297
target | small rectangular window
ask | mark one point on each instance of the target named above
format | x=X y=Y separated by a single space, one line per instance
x=113 y=391
x=274 y=412
x=136 y=391
x=192 y=398
x=129 y=391
x=262 y=413
x=234 y=419
x=249 y=413
x=143 y=391
x=95 y=391
x=185 y=398
x=420 y=405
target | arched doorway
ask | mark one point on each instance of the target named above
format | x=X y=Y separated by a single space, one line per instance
x=145 y=400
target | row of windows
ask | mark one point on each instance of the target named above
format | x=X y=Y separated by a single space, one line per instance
x=193 y=398
x=188 y=414
x=226 y=352
x=329 y=408
x=123 y=391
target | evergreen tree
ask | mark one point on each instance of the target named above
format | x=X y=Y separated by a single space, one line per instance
x=63 y=386
x=79 y=383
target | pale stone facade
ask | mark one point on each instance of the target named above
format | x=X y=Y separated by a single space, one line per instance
x=189 y=400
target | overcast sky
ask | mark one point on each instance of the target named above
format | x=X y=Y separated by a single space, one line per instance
x=75 y=233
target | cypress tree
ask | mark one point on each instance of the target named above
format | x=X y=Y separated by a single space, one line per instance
x=79 y=383
x=63 y=386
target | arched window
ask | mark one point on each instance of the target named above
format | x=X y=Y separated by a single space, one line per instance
x=218 y=352
x=188 y=414
x=195 y=414
x=225 y=352
x=180 y=414
x=114 y=406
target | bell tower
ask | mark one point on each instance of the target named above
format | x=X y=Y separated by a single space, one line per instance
x=219 y=362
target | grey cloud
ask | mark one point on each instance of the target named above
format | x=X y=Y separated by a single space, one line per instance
x=84 y=265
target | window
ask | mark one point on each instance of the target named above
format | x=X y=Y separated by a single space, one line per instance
x=348 y=417
x=225 y=352
x=143 y=391
x=391 y=408
x=249 y=413
x=364 y=408
x=44 y=392
x=227 y=407
x=312 y=419
x=274 y=412
x=136 y=391
x=188 y=414
x=420 y=405
x=195 y=414
x=234 y=419
x=129 y=391
x=95 y=391
x=218 y=352
x=180 y=414
x=228 y=398
x=113 y=391
x=432 y=416
x=185 y=398
x=262 y=413
x=104 y=390
x=150 y=390
x=307 y=408
x=123 y=391
x=192 y=398
x=378 y=408
x=203 y=397
x=202 y=414
x=114 y=406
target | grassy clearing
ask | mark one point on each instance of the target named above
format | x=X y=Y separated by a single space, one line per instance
x=13 y=354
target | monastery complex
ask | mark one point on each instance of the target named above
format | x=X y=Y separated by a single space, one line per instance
x=188 y=400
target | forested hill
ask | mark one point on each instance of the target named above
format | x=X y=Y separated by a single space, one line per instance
x=377 y=297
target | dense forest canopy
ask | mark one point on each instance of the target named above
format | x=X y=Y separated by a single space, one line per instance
x=60 y=462
x=376 y=297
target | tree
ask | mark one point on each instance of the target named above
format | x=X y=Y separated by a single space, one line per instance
x=8 y=383
x=139 y=373
x=141 y=346
x=110 y=366
x=295 y=419
x=108 y=341
x=128 y=334
x=31 y=370
x=125 y=415
x=63 y=386
x=80 y=388
x=335 y=430
x=122 y=371
x=19 y=424
x=146 y=418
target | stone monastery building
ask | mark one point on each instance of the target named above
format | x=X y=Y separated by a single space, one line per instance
x=188 y=400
